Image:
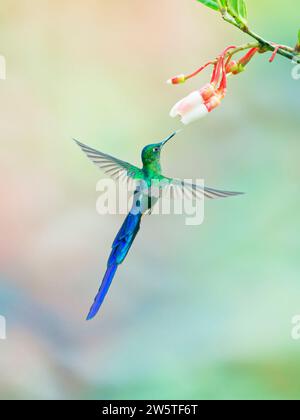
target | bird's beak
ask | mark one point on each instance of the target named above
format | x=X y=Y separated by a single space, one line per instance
x=168 y=139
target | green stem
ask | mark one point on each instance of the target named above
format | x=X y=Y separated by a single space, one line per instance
x=284 y=51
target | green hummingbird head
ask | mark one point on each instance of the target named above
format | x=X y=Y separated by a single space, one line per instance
x=151 y=153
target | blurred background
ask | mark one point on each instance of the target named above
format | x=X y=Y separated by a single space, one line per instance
x=195 y=312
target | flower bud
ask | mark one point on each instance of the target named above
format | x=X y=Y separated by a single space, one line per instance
x=248 y=57
x=231 y=67
x=238 y=69
x=177 y=80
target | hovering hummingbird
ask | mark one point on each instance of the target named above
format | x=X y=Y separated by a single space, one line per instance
x=143 y=201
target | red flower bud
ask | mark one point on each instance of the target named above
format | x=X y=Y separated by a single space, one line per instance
x=248 y=57
x=231 y=66
x=177 y=80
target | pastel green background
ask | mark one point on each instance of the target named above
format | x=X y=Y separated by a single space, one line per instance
x=195 y=312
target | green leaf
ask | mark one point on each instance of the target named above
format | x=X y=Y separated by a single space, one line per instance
x=299 y=36
x=222 y=4
x=213 y=4
x=238 y=10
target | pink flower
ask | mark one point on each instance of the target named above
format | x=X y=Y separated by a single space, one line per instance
x=201 y=102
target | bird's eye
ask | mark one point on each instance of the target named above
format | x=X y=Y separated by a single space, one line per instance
x=156 y=149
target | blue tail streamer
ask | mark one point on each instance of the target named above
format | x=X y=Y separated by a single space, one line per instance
x=120 y=249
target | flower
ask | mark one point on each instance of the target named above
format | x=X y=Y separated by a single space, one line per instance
x=201 y=102
x=197 y=104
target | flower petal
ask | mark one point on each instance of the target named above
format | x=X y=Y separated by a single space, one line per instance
x=174 y=110
x=195 y=114
x=187 y=104
x=192 y=101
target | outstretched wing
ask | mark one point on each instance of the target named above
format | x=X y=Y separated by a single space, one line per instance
x=186 y=189
x=112 y=166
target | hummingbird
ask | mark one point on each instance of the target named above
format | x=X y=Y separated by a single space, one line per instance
x=143 y=203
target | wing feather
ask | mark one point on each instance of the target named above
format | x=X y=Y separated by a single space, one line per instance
x=198 y=191
x=116 y=168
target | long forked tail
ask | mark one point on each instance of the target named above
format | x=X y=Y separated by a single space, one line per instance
x=120 y=248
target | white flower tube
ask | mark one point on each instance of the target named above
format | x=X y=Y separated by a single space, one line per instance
x=187 y=104
x=195 y=114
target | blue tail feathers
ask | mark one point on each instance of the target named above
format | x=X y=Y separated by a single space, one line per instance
x=120 y=249
x=106 y=282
